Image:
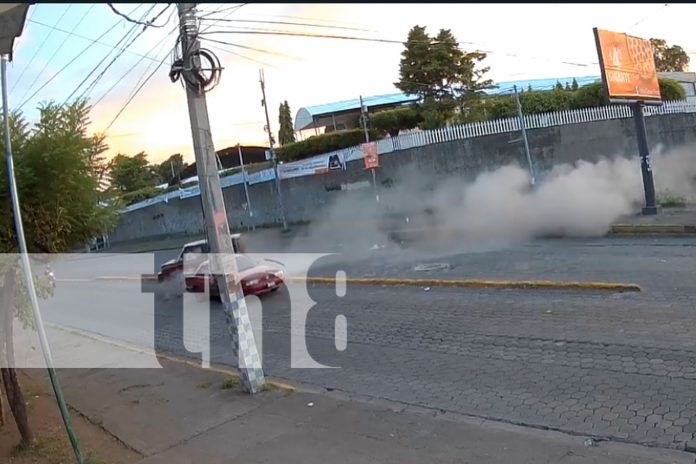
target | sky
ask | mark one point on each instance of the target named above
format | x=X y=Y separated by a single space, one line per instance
x=524 y=42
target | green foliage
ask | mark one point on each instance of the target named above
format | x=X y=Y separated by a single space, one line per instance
x=671 y=90
x=394 y=121
x=324 y=143
x=667 y=199
x=56 y=167
x=132 y=173
x=587 y=96
x=442 y=74
x=286 y=133
x=669 y=59
x=170 y=169
x=574 y=85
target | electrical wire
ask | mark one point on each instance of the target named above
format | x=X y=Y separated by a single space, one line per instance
x=83 y=37
x=240 y=55
x=98 y=78
x=40 y=47
x=259 y=31
x=139 y=88
x=146 y=24
x=92 y=42
x=285 y=23
x=160 y=44
x=126 y=36
x=222 y=10
x=246 y=47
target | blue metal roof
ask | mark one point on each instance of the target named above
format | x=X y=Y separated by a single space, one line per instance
x=354 y=104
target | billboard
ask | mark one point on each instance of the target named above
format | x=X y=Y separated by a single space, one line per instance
x=370 y=155
x=628 y=66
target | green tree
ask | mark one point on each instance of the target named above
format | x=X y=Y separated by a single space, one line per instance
x=669 y=59
x=58 y=187
x=442 y=74
x=529 y=88
x=574 y=85
x=132 y=173
x=169 y=169
x=286 y=133
x=396 y=120
x=558 y=86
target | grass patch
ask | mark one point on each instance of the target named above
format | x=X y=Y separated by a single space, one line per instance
x=205 y=385
x=667 y=199
x=231 y=383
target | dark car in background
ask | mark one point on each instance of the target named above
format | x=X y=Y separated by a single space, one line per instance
x=173 y=268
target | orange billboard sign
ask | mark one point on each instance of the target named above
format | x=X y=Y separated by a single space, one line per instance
x=628 y=66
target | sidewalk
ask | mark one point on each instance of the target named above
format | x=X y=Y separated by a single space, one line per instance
x=182 y=414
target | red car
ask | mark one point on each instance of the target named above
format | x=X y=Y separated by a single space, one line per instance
x=256 y=278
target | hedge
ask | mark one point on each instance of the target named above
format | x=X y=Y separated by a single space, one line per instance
x=324 y=143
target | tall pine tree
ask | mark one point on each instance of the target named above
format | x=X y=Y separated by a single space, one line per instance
x=286 y=134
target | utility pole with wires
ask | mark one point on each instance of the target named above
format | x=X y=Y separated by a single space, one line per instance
x=189 y=68
x=363 y=121
x=246 y=187
x=523 y=129
x=262 y=81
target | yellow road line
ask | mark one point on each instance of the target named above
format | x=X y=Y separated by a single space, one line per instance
x=126 y=346
x=475 y=283
x=458 y=283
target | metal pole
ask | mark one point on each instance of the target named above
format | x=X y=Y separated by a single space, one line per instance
x=26 y=267
x=644 y=152
x=363 y=120
x=217 y=227
x=262 y=80
x=524 y=137
x=246 y=186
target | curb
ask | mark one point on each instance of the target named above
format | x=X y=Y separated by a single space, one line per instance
x=476 y=283
x=652 y=229
x=286 y=387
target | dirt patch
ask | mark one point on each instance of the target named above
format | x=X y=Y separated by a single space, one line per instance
x=52 y=445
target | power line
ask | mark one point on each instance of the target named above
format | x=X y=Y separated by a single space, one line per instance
x=160 y=44
x=146 y=24
x=221 y=10
x=86 y=38
x=240 y=55
x=304 y=18
x=246 y=47
x=98 y=78
x=125 y=105
x=92 y=42
x=260 y=31
x=285 y=23
x=94 y=69
x=40 y=47
x=55 y=52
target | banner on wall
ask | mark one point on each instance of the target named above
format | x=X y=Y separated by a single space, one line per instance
x=370 y=155
x=310 y=166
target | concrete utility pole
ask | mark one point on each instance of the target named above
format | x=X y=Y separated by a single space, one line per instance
x=246 y=187
x=644 y=151
x=217 y=227
x=262 y=81
x=523 y=128
x=363 y=120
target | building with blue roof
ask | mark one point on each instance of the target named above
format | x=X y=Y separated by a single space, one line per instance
x=344 y=114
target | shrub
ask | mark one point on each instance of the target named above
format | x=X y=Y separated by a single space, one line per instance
x=319 y=144
x=394 y=121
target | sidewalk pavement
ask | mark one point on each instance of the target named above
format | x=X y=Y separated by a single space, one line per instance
x=181 y=414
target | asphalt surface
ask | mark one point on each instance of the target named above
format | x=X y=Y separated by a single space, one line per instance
x=619 y=366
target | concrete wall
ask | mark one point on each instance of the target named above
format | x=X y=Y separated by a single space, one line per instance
x=307 y=197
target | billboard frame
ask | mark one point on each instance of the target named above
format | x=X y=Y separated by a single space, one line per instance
x=605 y=82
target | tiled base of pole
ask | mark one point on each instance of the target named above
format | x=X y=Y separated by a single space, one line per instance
x=244 y=345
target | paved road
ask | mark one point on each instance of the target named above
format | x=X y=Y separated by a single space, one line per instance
x=621 y=366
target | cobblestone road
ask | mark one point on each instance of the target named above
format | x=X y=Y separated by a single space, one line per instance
x=621 y=366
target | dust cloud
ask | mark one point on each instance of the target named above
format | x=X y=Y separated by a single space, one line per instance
x=498 y=207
